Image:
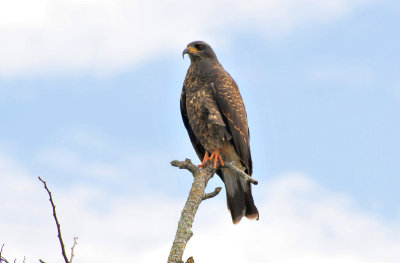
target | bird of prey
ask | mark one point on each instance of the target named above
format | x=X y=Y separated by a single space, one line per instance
x=215 y=117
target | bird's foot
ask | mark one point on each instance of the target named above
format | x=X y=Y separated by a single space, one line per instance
x=205 y=160
x=216 y=155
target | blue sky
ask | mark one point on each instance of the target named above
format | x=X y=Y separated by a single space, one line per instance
x=90 y=99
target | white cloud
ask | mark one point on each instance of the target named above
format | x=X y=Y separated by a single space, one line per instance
x=105 y=36
x=90 y=154
x=300 y=222
x=70 y=161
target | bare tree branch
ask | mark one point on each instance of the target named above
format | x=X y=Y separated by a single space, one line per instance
x=3 y=260
x=72 y=249
x=1 y=257
x=212 y=194
x=187 y=164
x=196 y=195
x=248 y=178
x=57 y=223
x=1 y=251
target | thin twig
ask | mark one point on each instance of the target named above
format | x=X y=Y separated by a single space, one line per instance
x=72 y=249
x=1 y=251
x=212 y=194
x=2 y=259
x=248 y=178
x=57 y=223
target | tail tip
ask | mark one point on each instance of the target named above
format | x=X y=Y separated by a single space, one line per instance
x=254 y=216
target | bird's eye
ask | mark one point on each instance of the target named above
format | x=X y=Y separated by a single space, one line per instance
x=199 y=47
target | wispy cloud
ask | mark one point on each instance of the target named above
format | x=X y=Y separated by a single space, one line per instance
x=69 y=161
x=86 y=157
x=103 y=36
x=300 y=221
x=84 y=153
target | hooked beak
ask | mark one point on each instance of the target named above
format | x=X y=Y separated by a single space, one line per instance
x=186 y=51
x=190 y=50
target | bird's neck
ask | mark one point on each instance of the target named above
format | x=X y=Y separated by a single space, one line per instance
x=203 y=66
x=199 y=75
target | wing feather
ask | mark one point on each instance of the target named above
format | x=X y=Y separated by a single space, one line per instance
x=231 y=105
x=200 y=151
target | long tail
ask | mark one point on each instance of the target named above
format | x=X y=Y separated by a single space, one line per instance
x=238 y=195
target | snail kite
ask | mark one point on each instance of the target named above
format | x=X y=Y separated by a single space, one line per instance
x=215 y=118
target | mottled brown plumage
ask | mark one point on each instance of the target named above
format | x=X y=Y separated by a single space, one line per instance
x=215 y=118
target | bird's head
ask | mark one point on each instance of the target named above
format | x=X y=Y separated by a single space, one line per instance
x=199 y=50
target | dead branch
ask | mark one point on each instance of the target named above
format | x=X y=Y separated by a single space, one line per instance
x=187 y=164
x=248 y=178
x=196 y=195
x=2 y=259
x=72 y=249
x=212 y=194
x=57 y=223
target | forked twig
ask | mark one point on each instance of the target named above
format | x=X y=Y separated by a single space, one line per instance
x=1 y=257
